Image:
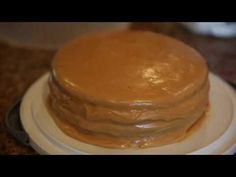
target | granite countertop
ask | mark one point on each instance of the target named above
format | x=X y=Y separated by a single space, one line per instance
x=20 y=67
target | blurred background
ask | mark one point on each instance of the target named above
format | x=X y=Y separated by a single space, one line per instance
x=26 y=51
x=51 y=35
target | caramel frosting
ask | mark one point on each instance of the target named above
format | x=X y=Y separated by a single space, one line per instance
x=127 y=89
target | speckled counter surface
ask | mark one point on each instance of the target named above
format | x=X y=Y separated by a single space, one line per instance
x=20 y=67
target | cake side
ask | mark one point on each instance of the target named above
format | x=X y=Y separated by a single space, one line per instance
x=127 y=127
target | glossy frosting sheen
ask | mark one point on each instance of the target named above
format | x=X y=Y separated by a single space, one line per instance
x=129 y=88
x=129 y=67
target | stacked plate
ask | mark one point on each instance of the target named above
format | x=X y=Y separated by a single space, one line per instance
x=217 y=135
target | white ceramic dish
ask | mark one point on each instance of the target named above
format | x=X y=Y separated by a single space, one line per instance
x=217 y=135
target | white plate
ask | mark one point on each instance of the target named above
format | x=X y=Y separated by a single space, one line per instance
x=217 y=135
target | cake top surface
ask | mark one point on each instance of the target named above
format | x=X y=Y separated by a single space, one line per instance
x=129 y=67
